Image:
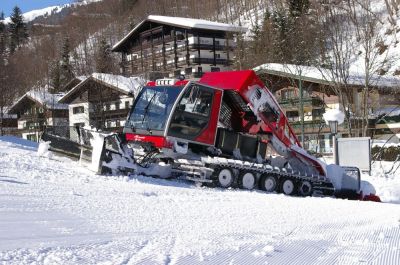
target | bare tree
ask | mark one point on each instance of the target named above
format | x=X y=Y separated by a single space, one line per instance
x=336 y=55
x=373 y=50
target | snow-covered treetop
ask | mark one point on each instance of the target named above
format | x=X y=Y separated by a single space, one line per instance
x=333 y=115
x=184 y=23
x=322 y=75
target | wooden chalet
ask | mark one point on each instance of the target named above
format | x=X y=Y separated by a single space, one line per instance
x=101 y=101
x=36 y=110
x=285 y=82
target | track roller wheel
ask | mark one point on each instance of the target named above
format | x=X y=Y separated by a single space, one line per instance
x=305 y=188
x=247 y=180
x=225 y=178
x=288 y=186
x=269 y=183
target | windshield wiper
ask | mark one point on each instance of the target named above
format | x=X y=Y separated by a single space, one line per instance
x=146 y=109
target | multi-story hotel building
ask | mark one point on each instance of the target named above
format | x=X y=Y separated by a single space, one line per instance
x=171 y=46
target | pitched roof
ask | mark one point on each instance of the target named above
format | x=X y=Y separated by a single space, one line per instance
x=125 y=85
x=324 y=76
x=44 y=98
x=189 y=23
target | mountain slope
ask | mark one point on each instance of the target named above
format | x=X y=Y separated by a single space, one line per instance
x=47 y=12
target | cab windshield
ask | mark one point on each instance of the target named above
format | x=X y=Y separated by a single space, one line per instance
x=152 y=108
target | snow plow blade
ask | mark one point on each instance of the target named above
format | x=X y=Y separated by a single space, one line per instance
x=92 y=148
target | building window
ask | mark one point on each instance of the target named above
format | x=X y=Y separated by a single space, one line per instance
x=188 y=71
x=126 y=104
x=78 y=110
x=292 y=115
x=117 y=123
x=288 y=94
x=218 y=56
x=117 y=105
x=317 y=113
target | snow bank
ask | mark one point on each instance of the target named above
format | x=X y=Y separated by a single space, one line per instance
x=97 y=144
x=44 y=149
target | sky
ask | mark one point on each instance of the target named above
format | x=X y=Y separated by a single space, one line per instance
x=27 y=5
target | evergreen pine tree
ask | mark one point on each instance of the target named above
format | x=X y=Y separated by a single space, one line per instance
x=66 y=73
x=17 y=28
x=103 y=57
x=298 y=7
x=55 y=76
x=2 y=35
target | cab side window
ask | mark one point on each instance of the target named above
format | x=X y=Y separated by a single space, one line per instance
x=192 y=113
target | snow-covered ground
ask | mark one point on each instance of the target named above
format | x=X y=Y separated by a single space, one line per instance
x=52 y=211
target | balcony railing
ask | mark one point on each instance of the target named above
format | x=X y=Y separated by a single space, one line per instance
x=295 y=102
x=32 y=116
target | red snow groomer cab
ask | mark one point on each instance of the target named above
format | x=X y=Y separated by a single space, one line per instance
x=223 y=129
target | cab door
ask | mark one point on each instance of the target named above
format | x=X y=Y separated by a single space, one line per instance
x=195 y=116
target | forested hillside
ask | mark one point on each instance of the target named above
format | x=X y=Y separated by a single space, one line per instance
x=76 y=41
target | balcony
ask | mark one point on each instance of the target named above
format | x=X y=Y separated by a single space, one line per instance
x=32 y=116
x=210 y=61
x=295 y=102
x=210 y=47
x=110 y=113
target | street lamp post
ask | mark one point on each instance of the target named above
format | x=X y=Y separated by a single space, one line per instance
x=333 y=125
x=333 y=118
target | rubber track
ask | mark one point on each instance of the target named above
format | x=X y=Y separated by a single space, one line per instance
x=321 y=184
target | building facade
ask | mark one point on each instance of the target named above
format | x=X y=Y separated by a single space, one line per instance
x=171 y=46
x=101 y=101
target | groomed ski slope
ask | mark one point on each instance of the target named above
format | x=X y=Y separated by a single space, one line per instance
x=52 y=211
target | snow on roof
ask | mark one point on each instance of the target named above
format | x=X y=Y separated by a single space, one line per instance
x=195 y=23
x=388 y=111
x=44 y=98
x=127 y=85
x=130 y=85
x=47 y=99
x=323 y=75
x=185 y=23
